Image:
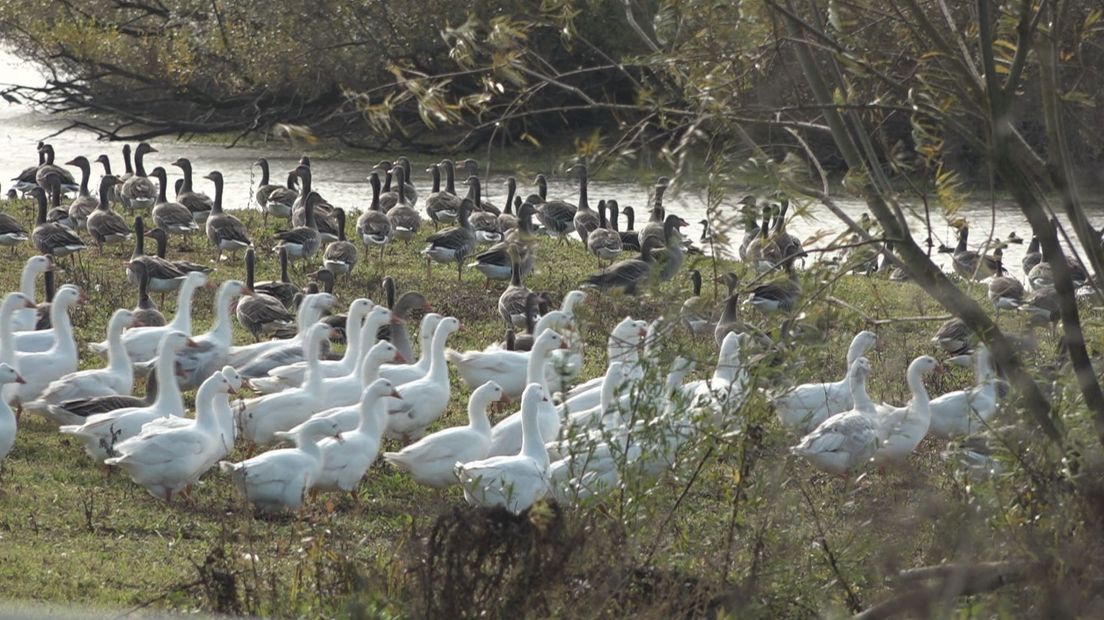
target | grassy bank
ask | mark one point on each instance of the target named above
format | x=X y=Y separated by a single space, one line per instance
x=739 y=525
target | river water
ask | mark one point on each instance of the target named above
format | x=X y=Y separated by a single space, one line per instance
x=342 y=178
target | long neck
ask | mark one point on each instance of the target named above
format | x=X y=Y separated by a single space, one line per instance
x=264 y=171
x=284 y=266
x=436 y=172
x=186 y=168
x=963 y=235
x=919 y=392
x=127 y=166
x=450 y=179
x=437 y=368
x=7 y=342
x=728 y=366
x=369 y=416
x=162 y=245
x=305 y=179
x=63 y=330
x=168 y=392
x=609 y=386
x=139 y=239
x=222 y=329
x=308 y=445
x=182 y=322
x=532 y=445
x=311 y=223
x=216 y=206
x=426 y=357
x=583 y=204
x=139 y=165
x=85 y=173
x=117 y=357
x=41 y=219
x=27 y=282
x=477 y=416
x=511 y=189
x=250 y=270
x=313 y=378
x=854 y=351
x=162 y=181
x=859 y=396
x=354 y=331
x=206 y=413
x=534 y=371
x=105 y=189
x=368 y=339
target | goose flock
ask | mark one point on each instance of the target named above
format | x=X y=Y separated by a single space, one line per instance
x=568 y=437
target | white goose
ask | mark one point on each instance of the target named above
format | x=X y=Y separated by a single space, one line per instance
x=209 y=355
x=39 y=369
x=507 y=436
x=432 y=459
x=723 y=394
x=845 y=441
x=8 y=375
x=283 y=377
x=566 y=364
x=141 y=342
x=401 y=374
x=280 y=479
x=513 y=482
x=623 y=346
x=261 y=418
x=806 y=406
x=40 y=341
x=347 y=416
x=901 y=429
x=510 y=369
x=12 y=302
x=25 y=319
x=168 y=460
x=964 y=412
x=425 y=399
x=344 y=391
x=346 y=460
x=101 y=432
x=227 y=424
x=608 y=404
x=116 y=378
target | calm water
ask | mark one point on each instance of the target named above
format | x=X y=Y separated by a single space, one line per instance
x=342 y=179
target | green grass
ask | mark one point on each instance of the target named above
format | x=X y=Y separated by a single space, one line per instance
x=71 y=535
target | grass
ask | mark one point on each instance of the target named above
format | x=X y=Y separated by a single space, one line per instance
x=745 y=524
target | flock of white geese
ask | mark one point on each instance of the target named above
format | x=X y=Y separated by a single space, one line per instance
x=568 y=439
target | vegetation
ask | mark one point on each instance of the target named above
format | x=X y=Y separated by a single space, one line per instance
x=738 y=527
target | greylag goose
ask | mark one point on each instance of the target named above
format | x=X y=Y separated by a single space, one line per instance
x=105 y=225
x=557 y=216
x=452 y=244
x=51 y=238
x=163 y=275
x=585 y=220
x=626 y=275
x=508 y=221
x=781 y=294
x=403 y=310
x=696 y=313
x=161 y=239
x=495 y=263
x=673 y=254
x=1005 y=292
x=264 y=190
x=373 y=227
x=749 y=214
x=25 y=181
x=171 y=216
x=281 y=289
x=258 y=312
x=630 y=239
x=128 y=168
x=65 y=178
x=83 y=205
x=1043 y=307
x=1033 y=256
x=323 y=223
x=953 y=337
x=729 y=321
x=443 y=206
x=405 y=221
x=302 y=242
x=281 y=200
x=198 y=203
x=789 y=247
x=653 y=230
x=138 y=191
x=968 y=263
x=224 y=231
x=604 y=242
x=42 y=311
x=145 y=313
x=12 y=233
x=484 y=224
x=512 y=302
x=340 y=256
x=409 y=190
x=762 y=251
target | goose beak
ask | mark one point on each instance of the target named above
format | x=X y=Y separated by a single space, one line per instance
x=460 y=328
x=505 y=398
x=400 y=358
x=395 y=394
x=180 y=372
x=230 y=390
x=339 y=438
x=397 y=320
x=246 y=384
x=246 y=290
x=191 y=344
x=29 y=304
x=20 y=380
x=136 y=323
x=83 y=297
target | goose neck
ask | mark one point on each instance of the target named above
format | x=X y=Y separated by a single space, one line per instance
x=168 y=391
x=532 y=445
x=313 y=380
x=263 y=165
x=63 y=330
x=182 y=322
x=117 y=357
x=27 y=281
x=216 y=205
x=478 y=420
x=437 y=365
x=919 y=392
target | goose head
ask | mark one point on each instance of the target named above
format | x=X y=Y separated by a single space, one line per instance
x=630 y=331
x=312 y=429
x=384 y=352
x=489 y=392
x=9 y=375
x=38 y=264
x=922 y=365
x=233 y=379
x=548 y=341
x=121 y=319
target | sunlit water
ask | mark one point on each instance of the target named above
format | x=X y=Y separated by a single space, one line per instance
x=342 y=179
